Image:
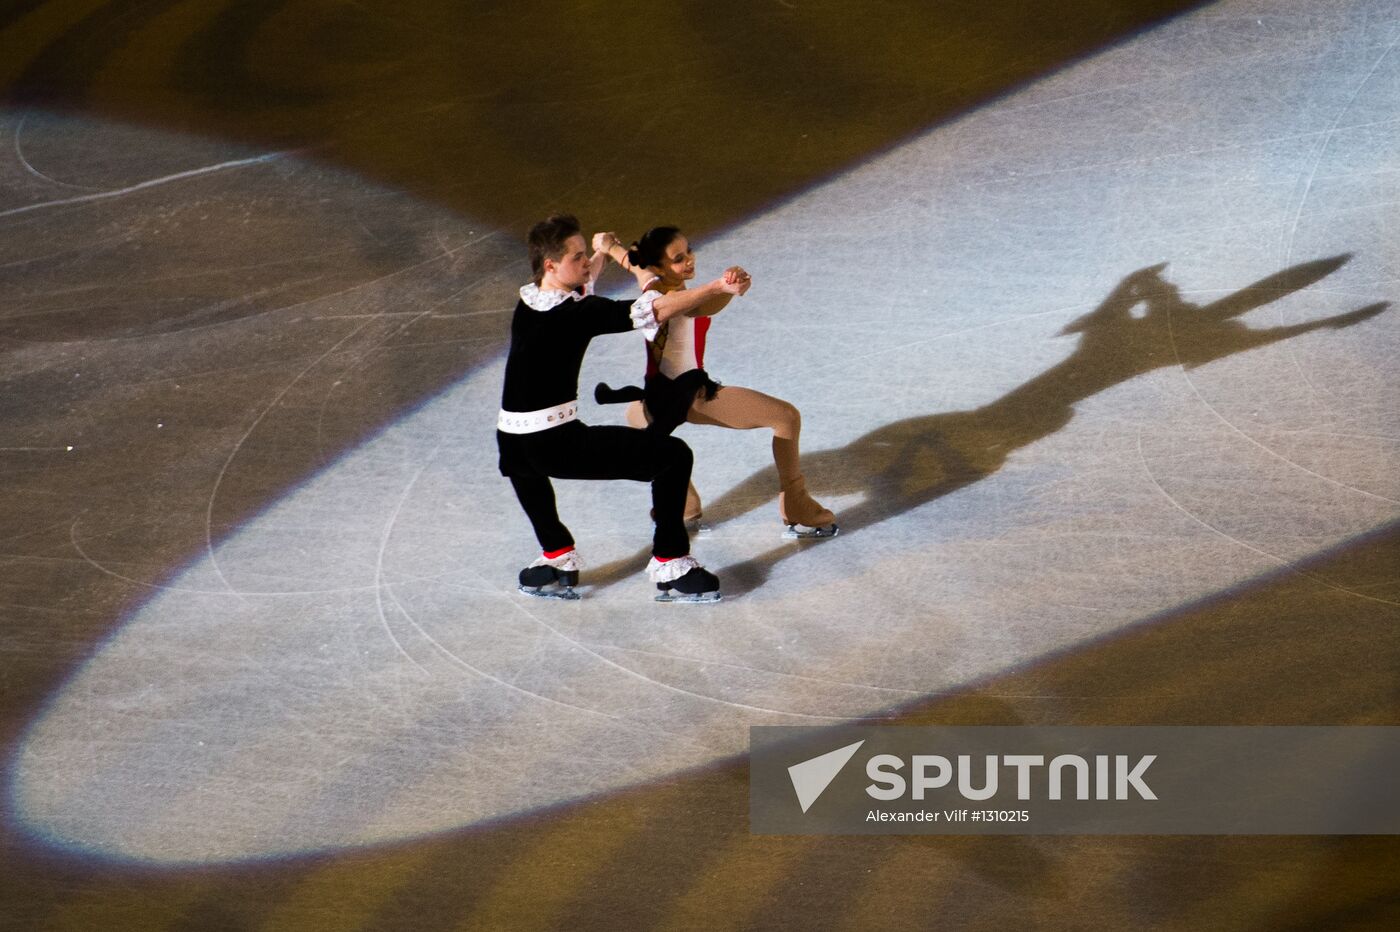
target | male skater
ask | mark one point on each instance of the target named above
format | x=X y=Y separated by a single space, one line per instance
x=539 y=433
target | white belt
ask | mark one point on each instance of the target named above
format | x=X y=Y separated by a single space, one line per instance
x=532 y=422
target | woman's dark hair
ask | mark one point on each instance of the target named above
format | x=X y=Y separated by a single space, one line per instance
x=547 y=239
x=651 y=248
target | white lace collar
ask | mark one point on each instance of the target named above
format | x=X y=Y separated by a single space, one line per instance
x=538 y=299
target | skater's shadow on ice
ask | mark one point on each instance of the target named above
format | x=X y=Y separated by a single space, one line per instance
x=1143 y=324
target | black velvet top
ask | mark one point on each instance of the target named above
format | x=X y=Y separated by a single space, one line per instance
x=547 y=347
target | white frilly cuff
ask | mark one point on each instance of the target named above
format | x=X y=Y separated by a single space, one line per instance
x=644 y=318
x=565 y=561
x=671 y=570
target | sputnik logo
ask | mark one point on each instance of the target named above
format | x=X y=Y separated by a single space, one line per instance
x=811 y=777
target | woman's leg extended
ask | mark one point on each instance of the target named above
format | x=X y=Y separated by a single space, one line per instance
x=745 y=409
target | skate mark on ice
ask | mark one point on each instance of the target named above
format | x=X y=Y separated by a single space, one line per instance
x=360 y=328
x=457 y=660
x=149 y=183
x=1322 y=147
x=701 y=662
x=1283 y=562
x=28 y=167
x=107 y=569
x=1316 y=161
x=669 y=687
x=380 y=586
x=211 y=553
x=1174 y=307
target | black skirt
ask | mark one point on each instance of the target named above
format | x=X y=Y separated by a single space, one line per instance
x=667 y=400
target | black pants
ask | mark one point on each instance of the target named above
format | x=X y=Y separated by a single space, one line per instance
x=577 y=451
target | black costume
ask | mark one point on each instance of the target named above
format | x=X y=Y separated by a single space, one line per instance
x=667 y=401
x=539 y=434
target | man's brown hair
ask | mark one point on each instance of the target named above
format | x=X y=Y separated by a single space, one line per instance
x=547 y=239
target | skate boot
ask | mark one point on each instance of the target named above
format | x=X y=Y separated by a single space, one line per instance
x=683 y=580
x=803 y=517
x=552 y=577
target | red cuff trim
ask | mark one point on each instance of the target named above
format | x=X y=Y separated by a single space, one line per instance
x=555 y=554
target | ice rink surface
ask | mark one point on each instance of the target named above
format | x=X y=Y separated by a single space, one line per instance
x=1099 y=377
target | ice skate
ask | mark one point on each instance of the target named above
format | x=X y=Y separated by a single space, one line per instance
x=695 y=525
x=683 y=580
x=552 y=577
x=803 y=518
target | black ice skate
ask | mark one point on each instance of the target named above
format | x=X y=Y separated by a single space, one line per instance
x=683 y=580
x=552 y=578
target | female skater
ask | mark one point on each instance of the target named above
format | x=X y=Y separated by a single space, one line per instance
x=678 y=388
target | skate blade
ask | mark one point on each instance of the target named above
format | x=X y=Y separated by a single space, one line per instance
x=698 y=529
x=566 y=594
x=693 y=599
x=802 y=532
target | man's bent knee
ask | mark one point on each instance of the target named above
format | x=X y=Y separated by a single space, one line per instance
x=677 y=452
